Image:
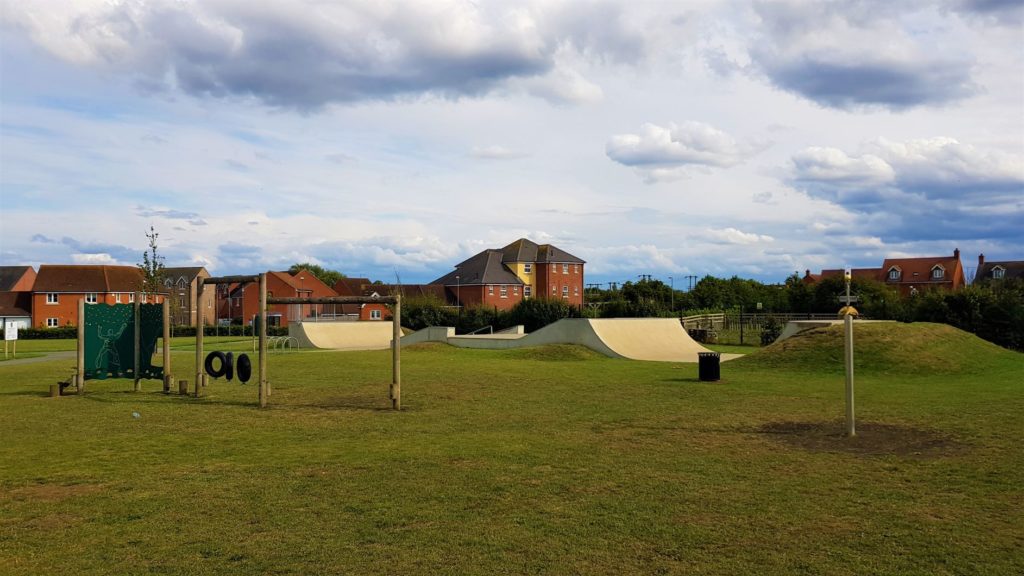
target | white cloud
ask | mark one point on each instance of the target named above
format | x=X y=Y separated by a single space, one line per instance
x=495 y=152
x=664 y=152
x=734 y=236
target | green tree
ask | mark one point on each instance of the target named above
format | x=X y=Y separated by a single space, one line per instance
x=329 y=277
x=152 y=266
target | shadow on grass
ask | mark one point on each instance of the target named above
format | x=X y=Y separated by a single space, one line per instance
x=872 y=439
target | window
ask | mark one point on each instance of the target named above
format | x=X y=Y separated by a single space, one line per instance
x=553 y=269
x=145 y=298
x=504 y=291
x=894 y=273
x=526 y=291
x=527 y=268
x=374 y=314
x=117 y=298
x=131 y=297
x=565 y=291
x=554 y=289
x=51 y=322
x=565 y=268
x=181 y=302
x=576 y=290
x=998 y=272
x=490 y=289
x=90 y=298
x=938 y=273
x=576 y=268
x=168 y=282
x=52 y=298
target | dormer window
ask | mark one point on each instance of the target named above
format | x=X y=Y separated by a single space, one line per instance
x=894 y=273
x=168 y=282
x=998 y=272
x=938 y=273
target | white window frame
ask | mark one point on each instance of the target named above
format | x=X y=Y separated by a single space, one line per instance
x=131 y=297
x=503 y=291
x=490 y=289
x=515 y=290
x=576 y=268
x=375 y=315
x=554 y=269
x=998 y=272
x=565 y=291
x=565 y=268
x=554 y=289
x=527 y=291
x=938 y=273
x=895 y=273
x=52 y=298
x=90 y=298
x=576 y=290
x=117 y=298
x=52 y=322
x=528 y=268
x=145 y=298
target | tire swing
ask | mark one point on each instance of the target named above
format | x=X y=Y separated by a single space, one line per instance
x=226 y=367
x=244 y=368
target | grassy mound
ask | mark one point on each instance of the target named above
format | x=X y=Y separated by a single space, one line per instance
x=555 y=352
x=890 y=347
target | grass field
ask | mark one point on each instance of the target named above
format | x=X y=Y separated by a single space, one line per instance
x=533 y=461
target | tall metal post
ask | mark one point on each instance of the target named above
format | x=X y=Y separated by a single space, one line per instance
x=263 y=340
x=848 y=354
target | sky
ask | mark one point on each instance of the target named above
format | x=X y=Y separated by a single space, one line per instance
x=394 y=139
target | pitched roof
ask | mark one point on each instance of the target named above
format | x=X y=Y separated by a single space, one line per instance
x=855 y=273
x=9 y=275
x=350 y=286
x=554 y=254
x=919 y=270
x=15 y=303
x=1013 y=269
x=521 y=250
x=483 y=268
x=189 y=272
x=87 y=278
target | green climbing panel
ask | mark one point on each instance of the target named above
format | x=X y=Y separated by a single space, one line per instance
x=110 y=340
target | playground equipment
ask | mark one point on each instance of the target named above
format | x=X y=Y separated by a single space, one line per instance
x=394 y=391
x=105 y=343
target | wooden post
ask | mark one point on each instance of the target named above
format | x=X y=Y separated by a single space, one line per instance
x=138 y=348
x=396 y=354
x=54 y=390
x=263 y=341
x=183 y=387
x=167 y=346
x=199 y=334
x=80 y=374
x=848 y=327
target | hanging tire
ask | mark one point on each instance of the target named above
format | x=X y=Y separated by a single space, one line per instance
x=244 y=368
x=229 y=366
x=220 y=371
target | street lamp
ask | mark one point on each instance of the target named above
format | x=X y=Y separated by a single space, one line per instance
x=672 y=282
x=458 y=294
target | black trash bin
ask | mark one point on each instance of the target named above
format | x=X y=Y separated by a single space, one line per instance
x=709 y=368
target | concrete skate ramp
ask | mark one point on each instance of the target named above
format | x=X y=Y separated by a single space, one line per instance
x=794 y=327
x=658 y=339
x=342 y=335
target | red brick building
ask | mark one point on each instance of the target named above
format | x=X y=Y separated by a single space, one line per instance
x=908 y=275
x=243 y=299
x=523 y=269
x=58 y=289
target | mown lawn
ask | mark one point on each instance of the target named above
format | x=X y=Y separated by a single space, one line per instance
x=545 y=461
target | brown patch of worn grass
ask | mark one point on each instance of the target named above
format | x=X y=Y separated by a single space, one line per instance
x=872 y=439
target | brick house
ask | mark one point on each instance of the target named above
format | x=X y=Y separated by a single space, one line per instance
x=996 y=271
x=59 y=287
x=17 y=278
x=243 y=299
x=523 y=269
x=181 y=285
x=907 y=275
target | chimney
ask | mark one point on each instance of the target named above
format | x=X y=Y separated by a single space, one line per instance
x=981 y=261
x=956 y=253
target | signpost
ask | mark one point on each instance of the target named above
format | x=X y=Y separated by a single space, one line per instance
x=11 y=334
x=848 y=354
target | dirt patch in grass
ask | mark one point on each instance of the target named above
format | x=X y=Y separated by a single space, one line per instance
x=555 y=352
x=872 y=439
x=52 y=492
